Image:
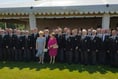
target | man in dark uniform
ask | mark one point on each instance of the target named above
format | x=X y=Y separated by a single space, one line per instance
x=32 y=45
x=75 y=42
x=60 y=38
x=10 y=54
x=6 y=45
x=116 y=55
x=85 y=47
x=106 y=46
x=27 y=52
x=32 y=38
x=68 y=47
x=64 y=34
x=14 y=45
x=99 y=46
x=114 y=48
x=79 y=45
x=89 y=33
x=31 y=48
x=22 y=46
x=47 y=36
x=1 y=49
x=17 y=45
x=94 y=50
x=36 y=34
x=3 y=46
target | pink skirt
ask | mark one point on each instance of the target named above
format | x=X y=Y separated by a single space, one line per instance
x=52 y=52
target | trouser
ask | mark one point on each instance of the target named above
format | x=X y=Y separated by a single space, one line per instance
x=26 y=55
x=76 y=56
x=10 y=54
x=102 y=57
x=79 y=59
x=6 y=54
x=93 y=57
x=64 y=53
x=60 y=55
x=112 y=55
x=21 y=55
x=116 y=59
x=1 y=54
x=108 y=58
x=13 y=52
x=69 y=56
x=17 y=54
x=46 y=57
x=84 y=57
x=32 y=54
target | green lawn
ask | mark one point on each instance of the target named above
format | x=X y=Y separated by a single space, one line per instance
x=33 y=70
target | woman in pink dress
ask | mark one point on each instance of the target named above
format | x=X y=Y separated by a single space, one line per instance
x=52 y=46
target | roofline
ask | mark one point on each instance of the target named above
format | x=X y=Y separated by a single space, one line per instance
x=82 y=9
x=107 y=5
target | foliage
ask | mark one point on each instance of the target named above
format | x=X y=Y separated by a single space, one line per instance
x=12 y=25
x=2 y=25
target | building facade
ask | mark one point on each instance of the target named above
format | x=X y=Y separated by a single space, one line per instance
x=52 y=13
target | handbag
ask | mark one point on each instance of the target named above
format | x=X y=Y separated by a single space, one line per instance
x=45 y=50
x=55 y=46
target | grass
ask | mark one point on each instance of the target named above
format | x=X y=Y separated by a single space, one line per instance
x=33 y=70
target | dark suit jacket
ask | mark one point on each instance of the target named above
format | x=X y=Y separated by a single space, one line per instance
x=95 y=42
x=1 y=42
x=85 y=43
x=22 y=41
x=15 y=41
x=47 y=39
x=75 y=42
x=68 y=43
x=7 y=41
x=32 y=41
x=113 y=44
x=60 y=41
x=106 y=43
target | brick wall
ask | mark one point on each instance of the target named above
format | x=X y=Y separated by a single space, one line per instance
x=113 y=22
x=70 y=22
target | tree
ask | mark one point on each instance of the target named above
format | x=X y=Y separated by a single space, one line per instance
x=2 y=25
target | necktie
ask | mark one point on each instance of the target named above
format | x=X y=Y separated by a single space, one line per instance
x=93 y=37
x=103 y=38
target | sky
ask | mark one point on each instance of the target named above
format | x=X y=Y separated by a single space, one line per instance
x=15 y=3
x=45 y=0
x=9 y=1
x=12 y=1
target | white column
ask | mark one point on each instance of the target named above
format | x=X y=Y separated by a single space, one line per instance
x=106 y=21
x=32 y=21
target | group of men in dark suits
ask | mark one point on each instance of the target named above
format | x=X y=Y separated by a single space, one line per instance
x=17 y=45
x=90 y=46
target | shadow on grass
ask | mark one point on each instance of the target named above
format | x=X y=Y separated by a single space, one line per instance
x=80 y=68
